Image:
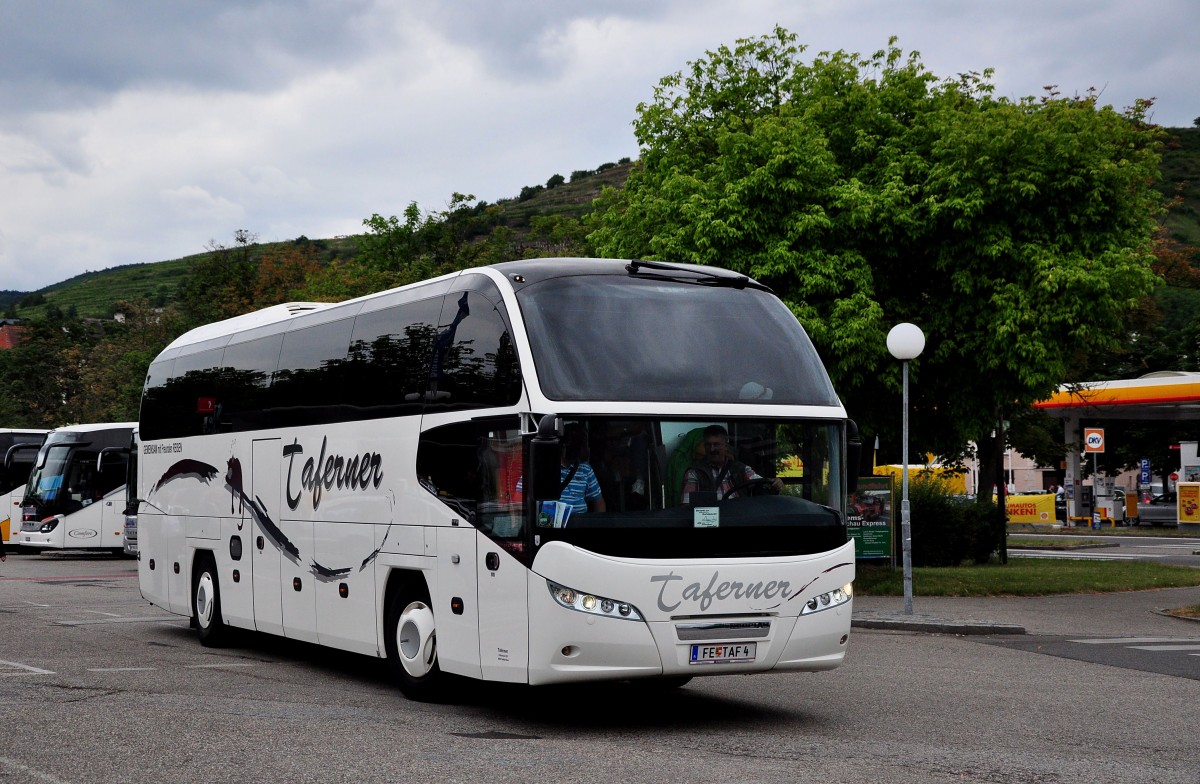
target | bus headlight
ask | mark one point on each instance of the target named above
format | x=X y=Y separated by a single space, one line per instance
x=48 y=525
x=592 y=604
x=827 y=601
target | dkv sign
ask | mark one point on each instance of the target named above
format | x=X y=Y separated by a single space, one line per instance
x=1093 y=439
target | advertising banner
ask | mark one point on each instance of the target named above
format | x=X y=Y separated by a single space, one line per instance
x=869 y=517
x=1030 y=508
x=1188 y=494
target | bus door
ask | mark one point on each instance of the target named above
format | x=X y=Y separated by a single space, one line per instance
x=265 y=555
x=503 y=614
x=456 y=586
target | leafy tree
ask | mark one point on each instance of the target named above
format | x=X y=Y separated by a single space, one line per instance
x=221 y=284
x=46 y=371
x=390 y=245
x=113 y=370
x=282 y=272
x=555 y=181
x=555 y=235
x=868 y=192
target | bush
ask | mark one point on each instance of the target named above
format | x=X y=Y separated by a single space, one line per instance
x=948 y=529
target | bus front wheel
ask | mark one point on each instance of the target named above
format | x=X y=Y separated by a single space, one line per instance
x=206 y=605
x=412 y=645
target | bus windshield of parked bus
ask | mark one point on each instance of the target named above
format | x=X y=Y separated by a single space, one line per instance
x=65 y=479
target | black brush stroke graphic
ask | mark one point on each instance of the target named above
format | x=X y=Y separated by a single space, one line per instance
x=187 y=469
x=203 y=472
x=818 y=577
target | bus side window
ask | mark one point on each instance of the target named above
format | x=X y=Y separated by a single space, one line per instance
x=475 y=363
x=474 y=468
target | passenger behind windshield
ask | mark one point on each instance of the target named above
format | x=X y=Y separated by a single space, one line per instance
x=720 y=474
x=579 y=487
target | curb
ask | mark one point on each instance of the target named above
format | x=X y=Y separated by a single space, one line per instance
x=1163 y=613
x=913 y=623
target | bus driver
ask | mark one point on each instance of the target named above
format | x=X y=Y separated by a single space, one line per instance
x=718 y=471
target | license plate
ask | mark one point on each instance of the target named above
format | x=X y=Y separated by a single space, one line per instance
x=723 y=654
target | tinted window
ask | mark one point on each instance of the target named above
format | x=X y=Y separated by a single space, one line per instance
x=607 y=337
x=309 y=386
x=182 y=404
x=390 y=350
x=246 y=379
x=475 y=364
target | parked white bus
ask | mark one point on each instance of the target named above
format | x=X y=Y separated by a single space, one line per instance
x=18 y=449
x=75 y=495
x=383 y=476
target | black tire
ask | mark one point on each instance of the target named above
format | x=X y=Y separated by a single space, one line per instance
x=417 y=672
x=206 y=605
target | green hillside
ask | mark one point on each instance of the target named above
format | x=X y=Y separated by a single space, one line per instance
x=92 y=294
x=1181 y=177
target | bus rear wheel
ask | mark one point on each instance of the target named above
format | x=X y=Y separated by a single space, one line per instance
x=206 y=605
x=411 y=640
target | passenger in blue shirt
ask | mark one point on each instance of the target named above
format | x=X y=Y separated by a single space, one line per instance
x=580 y=488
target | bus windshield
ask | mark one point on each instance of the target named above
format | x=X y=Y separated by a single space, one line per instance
x=65 y=479
x=651 y=487
x=629 y=338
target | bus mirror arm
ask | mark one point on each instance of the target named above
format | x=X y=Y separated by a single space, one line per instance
x=853 y=455
x=100 y=457
x=8 y=456
x=545 y=457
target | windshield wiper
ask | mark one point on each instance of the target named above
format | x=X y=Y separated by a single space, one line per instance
x=732 y=280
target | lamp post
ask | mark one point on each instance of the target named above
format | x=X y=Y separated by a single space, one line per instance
x=905 y=342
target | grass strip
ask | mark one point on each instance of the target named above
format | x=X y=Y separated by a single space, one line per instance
x=1025 y=577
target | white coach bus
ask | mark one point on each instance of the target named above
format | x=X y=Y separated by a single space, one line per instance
x=75 y=497
x=383 y=476
x=18 y=449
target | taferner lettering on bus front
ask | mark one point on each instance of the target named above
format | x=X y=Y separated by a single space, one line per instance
x=387 y=461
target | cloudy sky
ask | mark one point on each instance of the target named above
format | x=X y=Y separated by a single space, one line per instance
x=138 y=130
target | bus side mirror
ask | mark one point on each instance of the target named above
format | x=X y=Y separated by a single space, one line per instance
x=545 y=459
x=853 y=455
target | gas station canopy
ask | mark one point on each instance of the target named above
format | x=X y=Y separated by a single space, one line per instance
x=1169 y=394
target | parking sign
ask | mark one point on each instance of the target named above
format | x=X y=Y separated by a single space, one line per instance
x=1144 y=471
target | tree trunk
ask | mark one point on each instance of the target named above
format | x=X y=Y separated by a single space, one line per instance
x=991 y=477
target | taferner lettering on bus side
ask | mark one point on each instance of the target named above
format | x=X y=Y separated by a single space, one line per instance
x=355 y=473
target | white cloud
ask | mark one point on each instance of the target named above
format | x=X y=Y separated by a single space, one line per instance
x=168 y=125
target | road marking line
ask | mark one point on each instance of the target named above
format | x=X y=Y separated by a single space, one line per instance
x=1074 y=555
x=121 y=669
x=37 y=774
x=154 y=619
x=1165 y=647
x=1136 y=640
x=28 y=669
x=216 y=666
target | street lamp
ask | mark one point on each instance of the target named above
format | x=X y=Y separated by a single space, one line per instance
x=905 y=342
